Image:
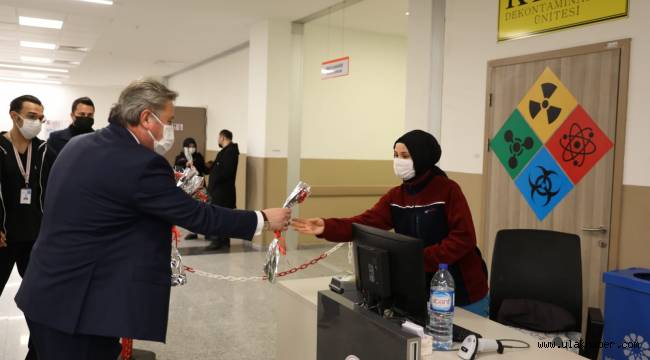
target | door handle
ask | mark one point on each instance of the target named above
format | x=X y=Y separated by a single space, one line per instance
x=601 y=229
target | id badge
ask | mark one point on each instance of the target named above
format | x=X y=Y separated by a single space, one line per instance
x=25 y=196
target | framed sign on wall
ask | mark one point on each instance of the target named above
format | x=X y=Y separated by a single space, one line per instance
x=523 y=18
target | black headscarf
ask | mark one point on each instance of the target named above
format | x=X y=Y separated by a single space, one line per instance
x=189 y=141
x=425 y=152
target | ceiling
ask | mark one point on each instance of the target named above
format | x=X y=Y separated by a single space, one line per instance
x=136 y=38
x=379 y=16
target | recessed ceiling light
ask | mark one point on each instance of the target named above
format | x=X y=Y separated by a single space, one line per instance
x=53 y=82
x=34 y=68
x=38 y=45
x=407 y=13
x=103 y=2
x=33 y=76
x=34 y=59
x=37 y=22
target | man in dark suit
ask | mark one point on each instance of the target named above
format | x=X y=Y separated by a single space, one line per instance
x=221 y=185
x=83 y=118
x=100 y=268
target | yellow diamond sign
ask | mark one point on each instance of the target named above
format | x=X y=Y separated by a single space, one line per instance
x=547 y=104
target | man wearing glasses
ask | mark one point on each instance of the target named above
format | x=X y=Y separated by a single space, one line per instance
x=24 y=167
x=100 y=269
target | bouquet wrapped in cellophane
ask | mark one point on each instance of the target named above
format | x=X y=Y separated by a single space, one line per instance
x=278 y=246
x=193 y=184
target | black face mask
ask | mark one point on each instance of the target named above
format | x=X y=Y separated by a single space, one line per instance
x=84 y=123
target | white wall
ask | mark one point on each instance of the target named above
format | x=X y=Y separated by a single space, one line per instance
x=269 y=90
x=471 y=32
x=57 y=100
x=357 y=116
x=425 y=67
x=221 y=87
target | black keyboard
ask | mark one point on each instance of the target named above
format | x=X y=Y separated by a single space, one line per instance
x=460 y=333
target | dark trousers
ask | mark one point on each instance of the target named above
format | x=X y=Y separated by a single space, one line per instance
x=228 y=204
x=18 y=254
x=51 y=344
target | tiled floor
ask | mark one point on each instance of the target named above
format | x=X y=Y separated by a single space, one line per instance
x=208 y=319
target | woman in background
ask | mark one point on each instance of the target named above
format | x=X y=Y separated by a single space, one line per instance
x=197 y=161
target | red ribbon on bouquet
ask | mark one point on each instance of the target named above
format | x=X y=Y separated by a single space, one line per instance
x=282 y=243
x=301 y=196
x=127 y=349
x=176 y=234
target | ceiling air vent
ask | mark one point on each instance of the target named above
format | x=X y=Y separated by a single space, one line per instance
x=73 y=48
x=66 y=62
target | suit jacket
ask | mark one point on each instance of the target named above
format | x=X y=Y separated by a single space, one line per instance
x=223 y=174
x=58 y=139
x=100 y=265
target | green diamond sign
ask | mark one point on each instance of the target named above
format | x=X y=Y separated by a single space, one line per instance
x=515 y=144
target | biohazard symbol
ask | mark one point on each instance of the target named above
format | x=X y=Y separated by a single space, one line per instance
x=543 y=185
x=552 y=112
x=516 y=147
x=577 y=144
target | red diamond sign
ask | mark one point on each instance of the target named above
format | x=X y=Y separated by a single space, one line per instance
x=578 y=144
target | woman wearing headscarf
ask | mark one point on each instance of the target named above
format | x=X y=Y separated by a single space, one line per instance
x=190 y=157
x=429 y=206
x=196 y=159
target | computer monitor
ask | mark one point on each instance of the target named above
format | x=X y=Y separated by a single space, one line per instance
x=389 y=270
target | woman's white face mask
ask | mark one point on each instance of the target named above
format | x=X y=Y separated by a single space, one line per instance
x=404 y=168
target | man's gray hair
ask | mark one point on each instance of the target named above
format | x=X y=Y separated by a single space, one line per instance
x=141 y=95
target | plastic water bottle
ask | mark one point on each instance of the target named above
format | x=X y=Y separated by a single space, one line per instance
x=441 y=308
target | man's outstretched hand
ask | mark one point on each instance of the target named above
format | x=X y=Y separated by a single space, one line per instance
x=278 y=219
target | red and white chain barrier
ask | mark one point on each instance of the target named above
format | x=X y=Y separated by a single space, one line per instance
x=293 y=270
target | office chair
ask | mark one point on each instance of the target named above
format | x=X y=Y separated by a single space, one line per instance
x=542 y=265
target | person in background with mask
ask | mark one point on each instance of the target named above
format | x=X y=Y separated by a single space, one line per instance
x=430 y=206
x=197 y=161
x=25 y=162
x=100 y=268
x=83 y=118
x=221 y=184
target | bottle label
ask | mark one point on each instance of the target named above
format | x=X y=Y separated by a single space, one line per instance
x=442 y=301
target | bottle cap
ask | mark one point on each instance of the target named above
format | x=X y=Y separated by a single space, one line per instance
x=443 y=267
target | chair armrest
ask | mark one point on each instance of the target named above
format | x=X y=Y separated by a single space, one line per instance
x=594 y=334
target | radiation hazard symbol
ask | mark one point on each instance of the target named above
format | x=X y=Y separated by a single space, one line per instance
x=547 y=104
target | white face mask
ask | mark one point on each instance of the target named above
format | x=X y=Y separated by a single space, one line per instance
x=192 y=150
x=30 y=128
x=163 y=145
x=404 y=168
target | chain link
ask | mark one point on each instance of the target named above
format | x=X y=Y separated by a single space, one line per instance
x=293 y=270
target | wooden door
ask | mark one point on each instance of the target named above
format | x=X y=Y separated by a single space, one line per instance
x=593 y=76
x=189 y=122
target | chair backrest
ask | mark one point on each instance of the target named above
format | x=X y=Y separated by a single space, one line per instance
x=538 y=265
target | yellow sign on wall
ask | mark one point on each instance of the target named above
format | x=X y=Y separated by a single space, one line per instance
x=521 y=18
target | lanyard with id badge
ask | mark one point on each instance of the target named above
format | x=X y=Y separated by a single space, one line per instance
x=25 y=192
